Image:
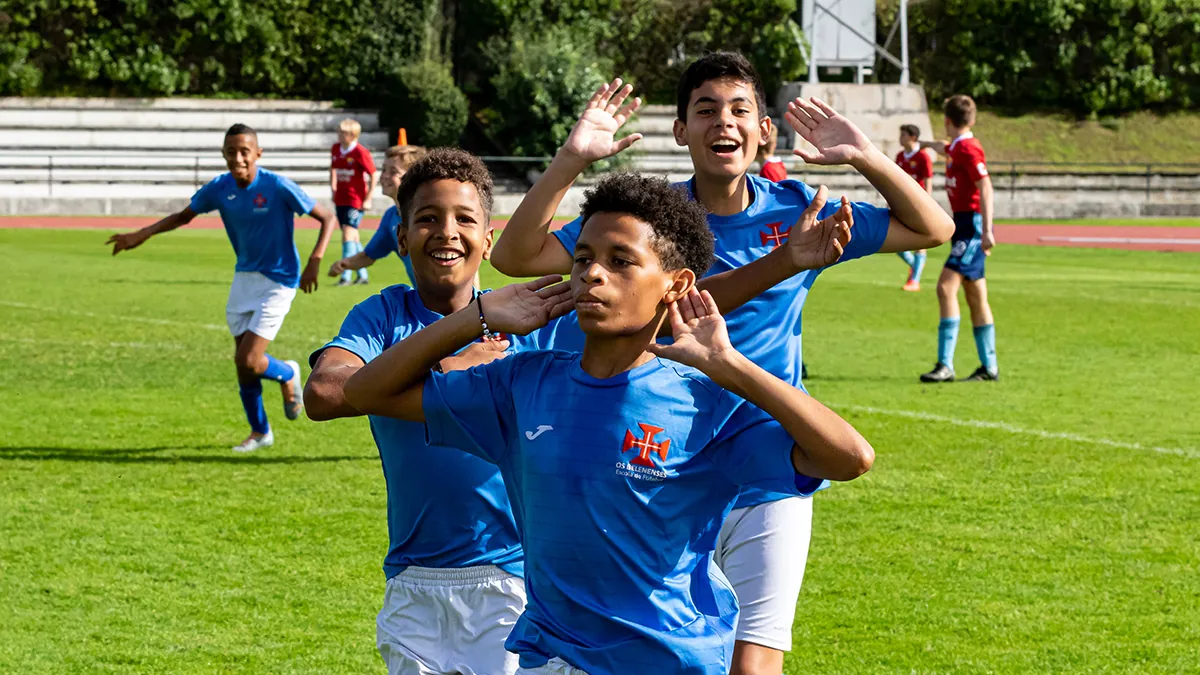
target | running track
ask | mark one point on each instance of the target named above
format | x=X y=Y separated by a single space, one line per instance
x=1141 y=238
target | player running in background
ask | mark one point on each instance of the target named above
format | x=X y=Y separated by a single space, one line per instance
x=770 y=166
x=722 y=120
x=453 y=560
x=973 y=202
x=619 y=462
x=352 y=178
x=257 y=207
x=397 y=161
x=917 y=163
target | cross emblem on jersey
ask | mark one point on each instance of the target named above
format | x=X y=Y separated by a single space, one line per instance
x=776 y=237
x=645 y=445
x=259 y=201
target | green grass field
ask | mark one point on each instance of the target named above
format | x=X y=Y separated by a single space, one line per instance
x=1047 y=523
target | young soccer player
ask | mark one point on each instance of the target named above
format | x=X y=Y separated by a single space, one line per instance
x=620 y=462
x=971 y=198
x=917 y=163
x=397 y=161
x=352 y=179
x=454 y=556
x=256 y=207
x=722 y=121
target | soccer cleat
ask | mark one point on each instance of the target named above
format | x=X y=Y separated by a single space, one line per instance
x=361 y=281
x=253 y=443
x=344 y=282
x=803 y=371
x=293 y=407
x=982 y=374
x=940 y=373
x=912 y=285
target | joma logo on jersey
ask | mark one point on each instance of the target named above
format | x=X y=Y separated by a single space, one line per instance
x=645 y=445
x=776 y=237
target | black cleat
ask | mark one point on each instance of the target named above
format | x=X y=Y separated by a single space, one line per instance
x=803 y=371
x=982 y=374
x=940 y=373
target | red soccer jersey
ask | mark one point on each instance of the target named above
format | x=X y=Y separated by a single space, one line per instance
x=773 y=170
x=351 y=181
x=918 y=164
x=965 y=164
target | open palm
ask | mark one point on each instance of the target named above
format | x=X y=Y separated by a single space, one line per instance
x=699 y=331
x=835 y=139
x=594 y=136
x=521 y=309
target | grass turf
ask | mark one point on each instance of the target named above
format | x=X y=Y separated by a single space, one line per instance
x=1046 y=523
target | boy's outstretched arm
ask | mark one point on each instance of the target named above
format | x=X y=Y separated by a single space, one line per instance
x=131 y=240
x=527 y=247
x=308 y=279
x=392 y=384
x=917 y=221
x=987 y=205
x=826 y=446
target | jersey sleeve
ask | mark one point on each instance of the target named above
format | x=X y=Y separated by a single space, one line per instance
x=751 y=448
x=568 y=235
x=924 y=165
x=472 y=409
x=976 y=163
x=368 y=162
x=365 y=332
x=297 y=199
x=384 y=242
x=205 y=199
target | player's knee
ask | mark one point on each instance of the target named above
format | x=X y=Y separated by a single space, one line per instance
x=753 y=659
x=245 y=361
x=946 y=290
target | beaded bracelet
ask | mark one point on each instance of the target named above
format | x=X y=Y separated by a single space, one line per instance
x=487 y=334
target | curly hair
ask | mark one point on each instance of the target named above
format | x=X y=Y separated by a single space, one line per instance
x=680 y=238
x=716 y=66
x=445 y=163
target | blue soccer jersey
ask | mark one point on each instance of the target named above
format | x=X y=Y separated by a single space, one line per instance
x=260 y=221
x=619 y=488
x=386 y=241
x=445 y=507
x=768 y=328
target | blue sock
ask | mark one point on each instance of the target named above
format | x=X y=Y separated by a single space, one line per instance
x=985 y=344
x=907 y=257
x=347 y=251
x=277 y=370
x=359 y=248
x=918 y=266
x=947 y=340
x=252 y=402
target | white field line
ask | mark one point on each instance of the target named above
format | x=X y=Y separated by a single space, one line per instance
x=1013 y=429
x=1125 y=240
x=102 y=345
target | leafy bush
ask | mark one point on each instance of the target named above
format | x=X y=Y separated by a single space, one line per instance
x=423 y=99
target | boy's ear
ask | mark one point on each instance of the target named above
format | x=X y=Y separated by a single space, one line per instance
x=683 y=282
x=766 y=130
x=679 y=129
x=402 y=241
x=488 y=239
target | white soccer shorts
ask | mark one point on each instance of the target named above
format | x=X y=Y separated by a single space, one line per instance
x=257 y=304
x=440 y=621
x=762 y=551
x=552 y=667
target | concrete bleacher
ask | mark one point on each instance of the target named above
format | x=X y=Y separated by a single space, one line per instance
x=69 y=155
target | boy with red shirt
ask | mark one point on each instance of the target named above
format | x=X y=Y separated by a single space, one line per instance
x=917 y=163
x=352 y=179
x=971 y=199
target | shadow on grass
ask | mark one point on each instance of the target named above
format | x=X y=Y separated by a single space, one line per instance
x=147 y=456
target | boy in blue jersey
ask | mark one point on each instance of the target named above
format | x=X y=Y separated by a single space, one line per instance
x=453 y=559
x=722 y=120
x=397 y=161
x=257 y=207
x=620 y=462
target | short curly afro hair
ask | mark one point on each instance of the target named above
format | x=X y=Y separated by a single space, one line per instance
x=681 y=237
x=445 y=163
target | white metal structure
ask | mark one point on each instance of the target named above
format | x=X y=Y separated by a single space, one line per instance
x=841 y=33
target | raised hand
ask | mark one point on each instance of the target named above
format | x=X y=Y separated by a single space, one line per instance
x=593 y=137
x=476 y=353
x=127 y=241
x=835 y=139
x=521 y=309
x=699 y=330
x=813 y=244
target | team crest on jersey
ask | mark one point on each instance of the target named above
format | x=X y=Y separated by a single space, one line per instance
x=641 y=465
x=774 y=235
x=260 y=202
